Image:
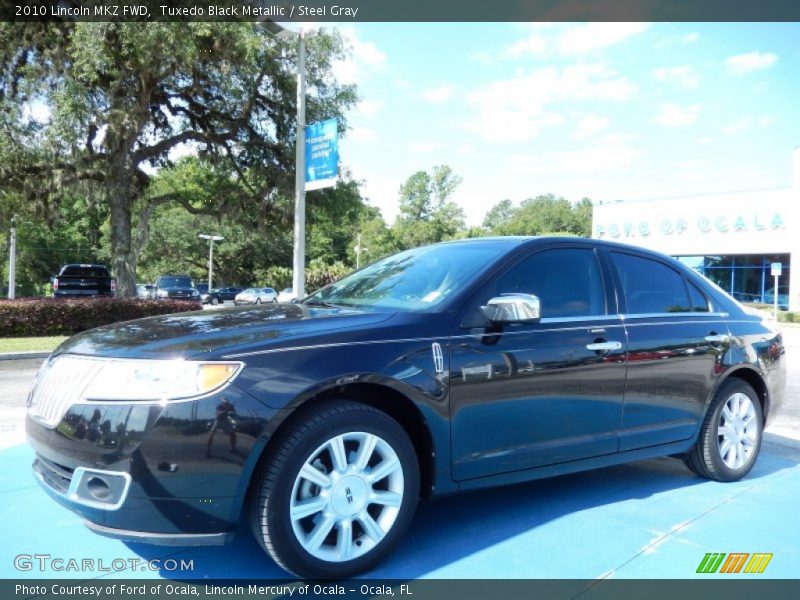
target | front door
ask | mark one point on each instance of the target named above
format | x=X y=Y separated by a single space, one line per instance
x=529 y=395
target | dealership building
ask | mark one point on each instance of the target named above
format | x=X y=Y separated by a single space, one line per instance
x=732 y=238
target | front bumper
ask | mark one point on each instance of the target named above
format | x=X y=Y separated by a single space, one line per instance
x=173 y=476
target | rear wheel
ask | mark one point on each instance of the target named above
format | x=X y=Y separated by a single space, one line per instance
x=214 y=301
x=730 y=437
x=338 y=493
x=258 y=300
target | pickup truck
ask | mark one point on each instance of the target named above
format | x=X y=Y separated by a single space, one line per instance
x=84 y=280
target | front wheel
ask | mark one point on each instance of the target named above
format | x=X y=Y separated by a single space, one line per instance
x=338 y=492
x=215 y=301
x=730 y=437
x=258 y=300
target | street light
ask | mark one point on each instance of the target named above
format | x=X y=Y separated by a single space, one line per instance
x=299 y=257
x=211 y=239
x=12 y=260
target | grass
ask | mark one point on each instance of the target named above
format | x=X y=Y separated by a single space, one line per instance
x=31 y=344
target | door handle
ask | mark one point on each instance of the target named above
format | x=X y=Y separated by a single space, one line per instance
x=714 y=338
x=604 y=346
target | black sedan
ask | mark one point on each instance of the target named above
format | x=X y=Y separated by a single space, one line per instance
x=218 y=295
x=445 y=368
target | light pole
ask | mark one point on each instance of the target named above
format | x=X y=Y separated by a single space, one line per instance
x=211 y=239
x=359 y=248
x=12 y=261
x=299 y=255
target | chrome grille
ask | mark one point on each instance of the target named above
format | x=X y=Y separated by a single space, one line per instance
x=58 y=386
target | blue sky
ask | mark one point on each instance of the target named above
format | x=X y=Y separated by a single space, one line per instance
x=608 y=111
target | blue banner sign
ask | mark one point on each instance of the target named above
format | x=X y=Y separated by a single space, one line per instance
x=322 y=154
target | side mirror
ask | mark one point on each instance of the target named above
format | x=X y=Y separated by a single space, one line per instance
x=512 y=308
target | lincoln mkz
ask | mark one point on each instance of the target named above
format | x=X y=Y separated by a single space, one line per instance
x=441 y=369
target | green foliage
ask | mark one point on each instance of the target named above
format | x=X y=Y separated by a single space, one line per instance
x=124 y=97
x=542 y=215
x=57 y=316
x=427 y=215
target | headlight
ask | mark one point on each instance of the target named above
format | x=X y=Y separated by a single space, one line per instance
x=162 y=293
x=158 y=379
x=195 y=293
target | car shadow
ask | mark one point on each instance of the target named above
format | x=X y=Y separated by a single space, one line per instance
x=449 y=529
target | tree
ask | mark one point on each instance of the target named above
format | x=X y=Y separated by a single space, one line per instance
x=427 y=215
x=124 y=98
x=542 y=215
x=498 y=215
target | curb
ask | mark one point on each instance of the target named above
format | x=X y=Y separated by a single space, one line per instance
x=23 y=355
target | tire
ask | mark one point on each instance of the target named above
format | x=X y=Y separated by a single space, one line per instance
x=730 y=455
x=313 y=543
x=214 y=301
x=258 y=300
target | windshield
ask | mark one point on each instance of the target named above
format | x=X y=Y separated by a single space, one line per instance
x=416 y=279
x=174 y=282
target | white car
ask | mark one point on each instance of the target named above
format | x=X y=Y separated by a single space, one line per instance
x=256 y=296
x=287 y=295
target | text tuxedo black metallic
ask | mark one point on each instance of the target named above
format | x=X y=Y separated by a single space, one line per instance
x=445 y=368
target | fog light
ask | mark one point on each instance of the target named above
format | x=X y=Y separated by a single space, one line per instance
x=99 y=489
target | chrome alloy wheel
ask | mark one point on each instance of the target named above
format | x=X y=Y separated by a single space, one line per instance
x=346 y=497
x=737 y=431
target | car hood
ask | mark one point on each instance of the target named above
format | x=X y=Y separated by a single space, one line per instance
x=194 y=334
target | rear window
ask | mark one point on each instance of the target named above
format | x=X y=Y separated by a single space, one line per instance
x=167 y=282
x=650 y=286
x=87 y=271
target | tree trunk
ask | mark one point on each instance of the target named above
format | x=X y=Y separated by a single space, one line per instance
x=123 y=262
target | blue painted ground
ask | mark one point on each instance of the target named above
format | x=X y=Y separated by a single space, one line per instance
x=652 y=519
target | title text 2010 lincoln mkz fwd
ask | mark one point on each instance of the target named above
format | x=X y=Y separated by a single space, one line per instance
x=444 y=368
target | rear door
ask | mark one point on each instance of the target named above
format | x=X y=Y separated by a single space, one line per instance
x=528 y=395
x=675 y=344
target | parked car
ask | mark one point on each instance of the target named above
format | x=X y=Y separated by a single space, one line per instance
x=287 y=295
x=452 y=367
x=145 y=291
x=176 y=287
x=84 y=280
x=217 y=295
x=256 y=296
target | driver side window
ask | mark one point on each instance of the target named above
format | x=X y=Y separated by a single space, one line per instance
x=567 y=282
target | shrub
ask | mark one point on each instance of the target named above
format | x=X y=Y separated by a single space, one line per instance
x=66 y=316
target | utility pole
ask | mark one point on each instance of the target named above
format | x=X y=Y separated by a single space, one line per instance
x=299 y=263
x=12 y=261
x=358 y=250
x=211 y=239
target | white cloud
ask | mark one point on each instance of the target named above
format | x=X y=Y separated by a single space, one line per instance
x=590 y=125
x=365 y=57
x=602 y=157
x=465 y=149
x=369 y=108
x=362 y=134
x=673 y=40
x=594 y=36
x=675 y=115
x=424 y=146
x=516 y=109
x=439 y=94
x=741 y=64
x=683 y=76
x=746 y=122
x=535 y=45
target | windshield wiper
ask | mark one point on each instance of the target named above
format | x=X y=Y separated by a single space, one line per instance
x=321 y=303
